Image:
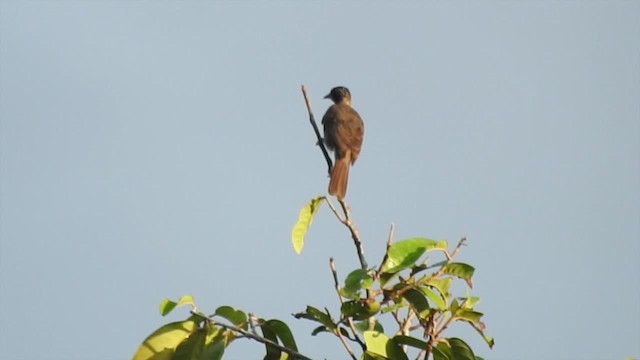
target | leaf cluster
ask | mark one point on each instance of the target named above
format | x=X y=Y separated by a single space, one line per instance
x=411 y=285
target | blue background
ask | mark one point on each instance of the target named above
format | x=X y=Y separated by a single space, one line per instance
x=153 y=149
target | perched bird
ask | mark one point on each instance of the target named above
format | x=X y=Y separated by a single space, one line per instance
x=343 y=133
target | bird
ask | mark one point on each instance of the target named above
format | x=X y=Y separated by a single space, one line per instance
x=343 y=134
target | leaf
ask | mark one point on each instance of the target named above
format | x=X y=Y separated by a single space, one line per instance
x=393 y=307
x=379 y=344
x=283 y=332
x=314 y=314
x=376 y=342
x=441 y=284
x=386 y=276
x=318 y=330
x=357 y=280
x=480 y=329
x=236 y=317
x=305 y=217
x=442 y=351
x=166 y=305
x=470 y=301
x=461 y=270
x=411 y=341
x=217 y=334
x=418 y=301
x=460 y=349
x=191 y=348
x=363 y=326
x=453 y=349
x=273 y=353
x=469 y=315
x=213 y=351
x=162 y=343
x=368 y=355
x=360 y=309
x=436 y=299
x=405 y=253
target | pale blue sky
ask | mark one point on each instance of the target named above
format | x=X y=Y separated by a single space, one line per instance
x=153 y=149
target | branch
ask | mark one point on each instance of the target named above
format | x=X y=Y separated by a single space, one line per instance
x=455 y=251
x=260 y=339
x=312 y=120
x=386 y=252
x=332 y=265
x=346 y=221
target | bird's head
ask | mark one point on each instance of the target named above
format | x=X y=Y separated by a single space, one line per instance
x=339 y=94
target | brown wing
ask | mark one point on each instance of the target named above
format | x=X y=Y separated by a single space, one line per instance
x=329 y=121
x=349 y=130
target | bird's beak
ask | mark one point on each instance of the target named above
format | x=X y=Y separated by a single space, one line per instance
x=328 y=96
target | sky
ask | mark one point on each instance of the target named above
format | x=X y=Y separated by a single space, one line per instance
x=151 y=149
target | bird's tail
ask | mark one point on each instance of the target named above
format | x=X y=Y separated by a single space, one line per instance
x=339 y=177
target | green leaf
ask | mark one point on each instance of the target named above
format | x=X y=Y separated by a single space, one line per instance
x=479 y=327
x=386 y=276
x=418 y=301
x=319 y=329
x=314 y=314
x=368 y=355
x=236 y=317
x=379 y=344
x=357 y=280
x=411 y=341
x=186 y=300
x=469 y=315
x=273 y=353
x=393 y=307
x=376 y=342
x=166 y=305
x=441 y=284
x=362 y=326
x=436 y=299
x=460 y=349
x=469 y=301
x=403 y=254
x=191 y=348
x=213 y=351
x=283 y=332
x=304 y=221
x=162 y=343
x=360 y=309
x=461 y=270
x=453 y=349
x=442 y=351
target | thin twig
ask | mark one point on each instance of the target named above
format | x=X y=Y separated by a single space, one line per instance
x=251 y=321
x=346 y=221
x=316 y=130
x=449 y=256
x=354 y=233
x=455 y=251
x=449 y=321
x=335 y=211
x=260 y=339
x=336 y=284
x=386 y=253
x=432 y=337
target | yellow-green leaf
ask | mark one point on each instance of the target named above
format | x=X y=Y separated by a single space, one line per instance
x=405 y=253
x=166 y=305
x=304 y=221
x=162 y=343
x=378 y=344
